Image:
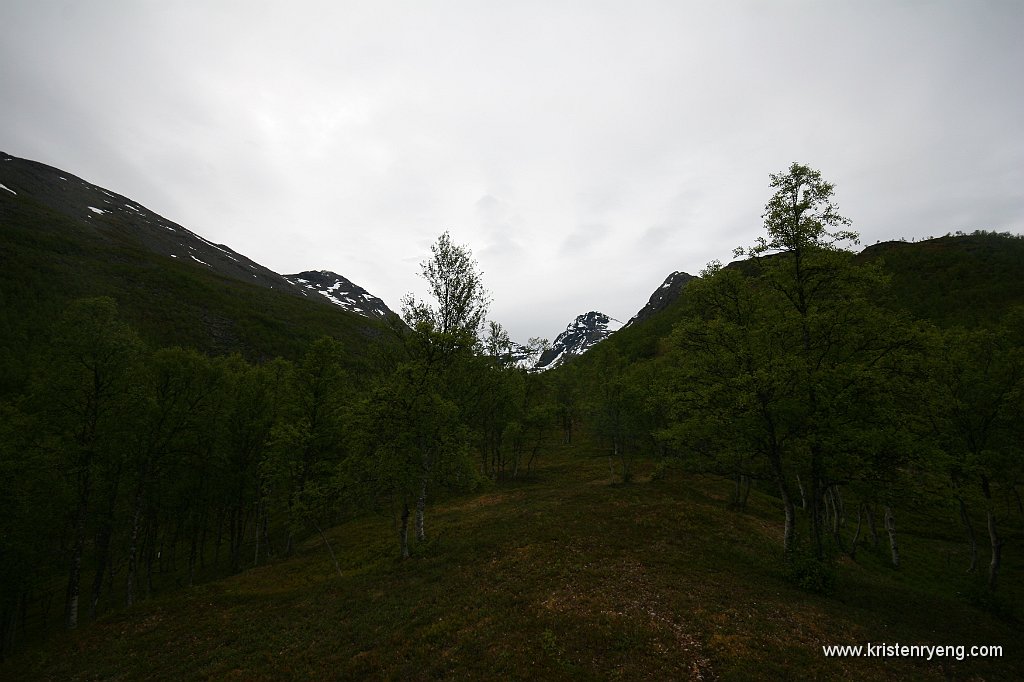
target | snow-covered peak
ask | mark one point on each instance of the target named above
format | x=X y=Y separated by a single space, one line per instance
x=580 y=335
x=341 y=292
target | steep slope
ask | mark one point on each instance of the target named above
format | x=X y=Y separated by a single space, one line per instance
x=342 y=292
x=580 y=335
x=116 y=219
x=662 y=297
x=63 y=238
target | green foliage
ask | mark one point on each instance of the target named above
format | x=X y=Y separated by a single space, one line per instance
x=801 y=214
x=615 y=401
x=414 y=424
x=786 y=371
x=810 y=572
x=460 y=301
x=300 y=477
x=963 y=280
x=127 y=468
x=49 y=260
x=640 y=581
x=973 y=388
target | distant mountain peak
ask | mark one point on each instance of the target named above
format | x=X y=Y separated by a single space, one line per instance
x=582 y=334
x=342 y=292
x=115 y=218
x=663 y=296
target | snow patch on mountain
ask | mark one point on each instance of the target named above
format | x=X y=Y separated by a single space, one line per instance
x=341 y=292
x=582 y=334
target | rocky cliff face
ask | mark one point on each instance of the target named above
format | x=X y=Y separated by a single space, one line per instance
x=663 y=296
x=581 y=335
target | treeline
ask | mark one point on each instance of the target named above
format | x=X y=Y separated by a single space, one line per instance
x=126 y=470
x=794 y=368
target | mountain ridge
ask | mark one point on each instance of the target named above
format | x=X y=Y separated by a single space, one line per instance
x=342 y=292
x=580 y=335
x=113 y=216
x=662 y=296
x=63 y=238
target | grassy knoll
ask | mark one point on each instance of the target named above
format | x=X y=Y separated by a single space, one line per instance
x=565 y=576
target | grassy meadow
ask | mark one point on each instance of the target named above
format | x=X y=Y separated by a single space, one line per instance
x=565 y=574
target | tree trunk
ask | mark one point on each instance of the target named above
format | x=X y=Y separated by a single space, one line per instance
x=828 y=509
x=789 y=532
x=803 y=494
x=623 y=454
x=421 y=506
x=268 y=547
x=151 y=553
x=6 y=632
x=170 y=562
x=789 y=529
x=220 y=534
x=997 y=551
x=890 y=527
x=871 y=525
x=102 y=556
x=103 y=538
x=856 y=533
x=75 y=570
x=193 y=552
x=9 y=621
x=837 y=515
x=203 y=523
x=256 y=556
x=817 y=503
x=993 y=535
x=840 y=507
x=329 y=549
x=133 y=551
x=403 y=531
x=971 y=539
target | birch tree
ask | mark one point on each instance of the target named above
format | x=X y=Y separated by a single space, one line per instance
x=787 y=358
x=413 y=431
x=972 y=397
x=88 y=403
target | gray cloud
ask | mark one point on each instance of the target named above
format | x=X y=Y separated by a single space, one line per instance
x=583 y=240
x=348 y=136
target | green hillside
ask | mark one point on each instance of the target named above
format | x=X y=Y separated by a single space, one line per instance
x=805 y=449
x=48 y=260
x=567 y=575
x=968 y=280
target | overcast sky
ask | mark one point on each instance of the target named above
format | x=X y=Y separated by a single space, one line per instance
x=582 y=150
